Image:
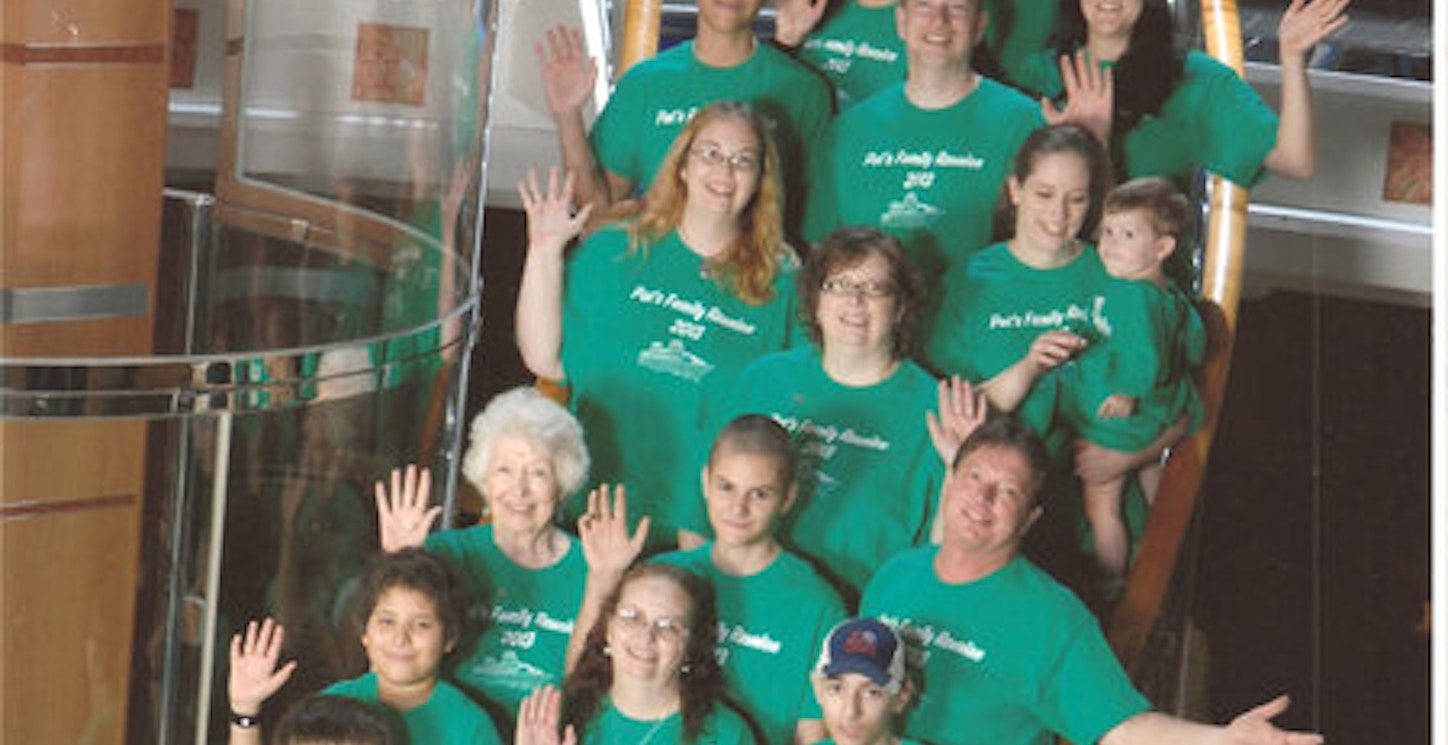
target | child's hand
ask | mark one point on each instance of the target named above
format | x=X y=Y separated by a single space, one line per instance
x=403 y=515
x=1053 y=348
x=1116 y=406
x=254 y=674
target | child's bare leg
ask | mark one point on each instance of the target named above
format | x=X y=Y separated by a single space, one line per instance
x=1103 y=511
x=1150 y=478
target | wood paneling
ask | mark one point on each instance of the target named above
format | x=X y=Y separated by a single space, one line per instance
x=84 y=21
x=69 y=592
x=82 y=150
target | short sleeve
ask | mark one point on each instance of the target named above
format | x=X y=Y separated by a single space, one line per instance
x=614 y=136
x=1089 y=694
x=1241 y=129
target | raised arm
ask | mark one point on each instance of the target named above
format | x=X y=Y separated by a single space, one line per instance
x=1010 y=387
x=960 y=408
x=538 y=718
x=1304 y=24
x=254 y=676
x=794 y=19
x=538 y=322
x=610 y=550
x=403 y=514
x=568 y=75
x=1253 y=727
x=1090 y=96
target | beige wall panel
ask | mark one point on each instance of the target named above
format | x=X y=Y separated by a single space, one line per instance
x=86 y=21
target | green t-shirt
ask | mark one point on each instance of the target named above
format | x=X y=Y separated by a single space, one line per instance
x=1007 y=659
x=1016 y=31
x=868 y=476
x=771 y=626
x=448 y=717
x=995 y=306
x=1212 y=120
x=858 y=50
x=930 y=178
x=643 y=334
x=523 y=617
x=1153 y=338
x=657 y=97
x=610 y=727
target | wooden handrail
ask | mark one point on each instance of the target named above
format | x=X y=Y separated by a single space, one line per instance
x=641 y=22
x=1161 y=542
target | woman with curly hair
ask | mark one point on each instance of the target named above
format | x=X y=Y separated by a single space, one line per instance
x=647 y=674
x=648 y=311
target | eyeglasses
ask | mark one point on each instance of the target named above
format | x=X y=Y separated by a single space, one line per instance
x=872 y=288
x=714 y=156
x=664 y=628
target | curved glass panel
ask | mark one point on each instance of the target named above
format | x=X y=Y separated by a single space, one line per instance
x=310 y=328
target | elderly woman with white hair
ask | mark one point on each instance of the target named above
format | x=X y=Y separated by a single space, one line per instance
x=524 y=575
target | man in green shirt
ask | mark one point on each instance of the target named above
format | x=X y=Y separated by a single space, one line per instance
x=1008 y=655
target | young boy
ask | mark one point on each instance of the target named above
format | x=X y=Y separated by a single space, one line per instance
x=773 y=608
x=411 y=615
x=860 y=683
x=1135 y=381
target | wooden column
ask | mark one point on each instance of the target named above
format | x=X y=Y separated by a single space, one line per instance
x=82 y=148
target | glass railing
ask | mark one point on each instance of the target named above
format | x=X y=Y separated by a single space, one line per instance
x=311 y=322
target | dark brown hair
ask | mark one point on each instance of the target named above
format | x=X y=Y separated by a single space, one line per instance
x=848 y=247
x=420 y=571
x=1052 y=140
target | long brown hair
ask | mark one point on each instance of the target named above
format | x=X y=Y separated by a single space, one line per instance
x=701 y=683
x=747 y=269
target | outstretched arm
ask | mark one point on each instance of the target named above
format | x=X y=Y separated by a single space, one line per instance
x=403 y=514
x=568 y=74
x=610 y=550
x=794 y=19
x=1253 y=727
x=254 y=676
x=1010 y=386
x=1304 y=24
x=538 y=322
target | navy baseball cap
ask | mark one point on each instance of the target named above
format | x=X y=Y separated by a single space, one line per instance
x=865 y=646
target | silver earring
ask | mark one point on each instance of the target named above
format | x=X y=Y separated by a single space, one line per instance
x=607 y=651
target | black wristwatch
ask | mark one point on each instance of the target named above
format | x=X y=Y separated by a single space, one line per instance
x=245 y=721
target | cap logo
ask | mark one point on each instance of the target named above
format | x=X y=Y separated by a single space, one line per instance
x=861 y=642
